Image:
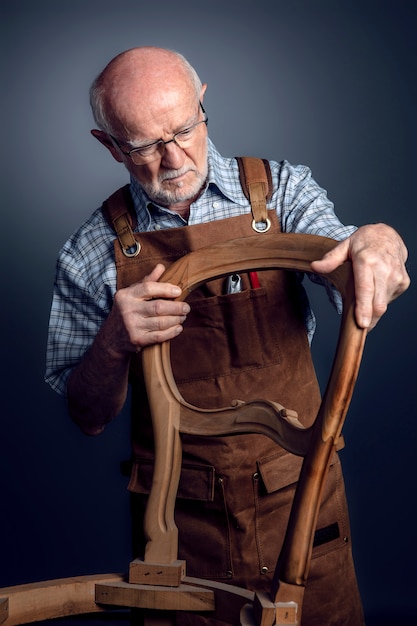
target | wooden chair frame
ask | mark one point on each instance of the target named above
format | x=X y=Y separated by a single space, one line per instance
x=159 y=581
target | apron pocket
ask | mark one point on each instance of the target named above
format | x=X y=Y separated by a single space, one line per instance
x=224 y=335
x=200 y=515
x=196 y=480
x=274 y=489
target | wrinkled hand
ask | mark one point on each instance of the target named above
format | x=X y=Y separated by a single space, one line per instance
x=145 y=313
x=378 y=257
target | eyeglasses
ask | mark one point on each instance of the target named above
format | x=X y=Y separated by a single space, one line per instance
x=153 y=151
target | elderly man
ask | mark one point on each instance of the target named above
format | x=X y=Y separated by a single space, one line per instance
x=235 y=492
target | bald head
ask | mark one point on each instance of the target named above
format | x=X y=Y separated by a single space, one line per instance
x=140 y=81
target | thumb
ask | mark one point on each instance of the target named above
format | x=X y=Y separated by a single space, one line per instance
x=332 y=259
x=155 y=274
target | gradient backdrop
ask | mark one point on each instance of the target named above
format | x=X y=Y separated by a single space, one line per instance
x=331 y=84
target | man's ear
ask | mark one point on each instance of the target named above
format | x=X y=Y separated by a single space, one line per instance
x=203 y=91
x=103 y=138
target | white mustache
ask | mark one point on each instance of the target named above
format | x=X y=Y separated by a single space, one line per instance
x=173 y=174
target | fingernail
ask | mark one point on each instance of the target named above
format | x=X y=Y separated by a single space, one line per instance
x=364 y=322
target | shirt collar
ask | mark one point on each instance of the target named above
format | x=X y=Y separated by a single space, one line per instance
x=222 y=174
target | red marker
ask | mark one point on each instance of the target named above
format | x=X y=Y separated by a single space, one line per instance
x=254 y=280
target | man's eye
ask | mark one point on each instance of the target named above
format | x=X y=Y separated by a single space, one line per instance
x=146 y=150
x=185 y=133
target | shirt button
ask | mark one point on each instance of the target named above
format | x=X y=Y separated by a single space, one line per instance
x=157 y=227
x=215 y=205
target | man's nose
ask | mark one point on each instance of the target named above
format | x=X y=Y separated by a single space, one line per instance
x=174 y=156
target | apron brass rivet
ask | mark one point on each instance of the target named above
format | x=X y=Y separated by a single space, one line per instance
x=264 y=570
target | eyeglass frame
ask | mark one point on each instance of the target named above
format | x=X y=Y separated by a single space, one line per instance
x=160 y=142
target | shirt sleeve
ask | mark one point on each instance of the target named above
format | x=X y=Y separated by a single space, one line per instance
x=84 y=287
x=303 y=207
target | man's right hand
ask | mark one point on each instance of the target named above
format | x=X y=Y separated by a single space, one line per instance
x=145 y=313
x=142 y=314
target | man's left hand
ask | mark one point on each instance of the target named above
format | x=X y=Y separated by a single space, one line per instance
x=378 y=256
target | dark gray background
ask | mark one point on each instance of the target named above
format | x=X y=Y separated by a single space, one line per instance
x=331 y=84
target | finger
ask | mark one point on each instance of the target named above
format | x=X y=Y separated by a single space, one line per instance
x=374 y=292
x=158 y=320
x=153 y=337
x=154 y=289
x=149 y=289
x=366 y=295
x=156 y=309
x=332 y=259
x=364 y=281
x=159 y=329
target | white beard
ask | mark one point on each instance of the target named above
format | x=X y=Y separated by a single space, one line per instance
x=177 y=192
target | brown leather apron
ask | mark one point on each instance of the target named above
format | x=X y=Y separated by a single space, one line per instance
x=235 y=492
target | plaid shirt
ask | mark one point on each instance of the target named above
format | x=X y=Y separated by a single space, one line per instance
x=85 y=280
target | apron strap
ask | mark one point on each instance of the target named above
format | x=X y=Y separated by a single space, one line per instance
x=120 y=215
x=256 y=181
